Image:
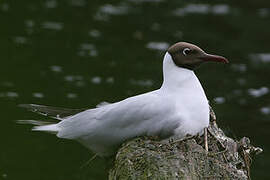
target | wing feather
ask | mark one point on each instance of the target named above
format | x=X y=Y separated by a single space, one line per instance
x=125 y=119
x=53 y=112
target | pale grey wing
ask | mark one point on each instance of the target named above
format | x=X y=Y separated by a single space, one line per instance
x=146 y=114
x=53 y=112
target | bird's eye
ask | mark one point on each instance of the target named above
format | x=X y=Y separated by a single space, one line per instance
x=186 y=51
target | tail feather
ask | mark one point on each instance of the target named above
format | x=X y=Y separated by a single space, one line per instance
x=41 y=125
x=52 y=128
x=53 y=112
x=33 y=122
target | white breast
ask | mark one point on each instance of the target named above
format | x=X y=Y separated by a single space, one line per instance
x=191 y=102
x=193 y=108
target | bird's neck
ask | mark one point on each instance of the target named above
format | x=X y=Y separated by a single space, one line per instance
x=176 y=77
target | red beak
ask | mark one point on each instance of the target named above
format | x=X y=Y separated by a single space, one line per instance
x=215 y=58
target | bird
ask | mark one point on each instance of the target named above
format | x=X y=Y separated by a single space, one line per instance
x=178 y=108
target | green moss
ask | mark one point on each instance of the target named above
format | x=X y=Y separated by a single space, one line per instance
x=147 y=158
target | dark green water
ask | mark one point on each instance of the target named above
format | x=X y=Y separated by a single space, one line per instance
x=77 y=53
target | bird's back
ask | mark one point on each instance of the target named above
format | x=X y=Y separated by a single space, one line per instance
x=102 y=128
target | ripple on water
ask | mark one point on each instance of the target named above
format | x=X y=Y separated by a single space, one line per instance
x=87 y=46
x=260 y=57
x=155 y=26
x=239 y=67
x=4 y=7
x=20 y=40
x=57 y=26
x=258 y=92
x=72 y=95
x=142 y=1
x=87 y=49
x=242 y=101
x=4 y=176
x=94 y=33
x=80 y=83
x=265 y=110
x=51 y=4
x=78 y=3
x=29 y=23
x=114 y=10
x=77 y=80
x=108 y=10
x=38 y=95
x=55 y=68
x=110 y=80
x=264 y=12
x=144 y=83
x=219 y=100
x=219 y=9
x=241 y=81
x=7 y=84
x=237 y=92
x=9 y=94
x=161 y=46
x=96 y=80
x=12 y=94
x=29 y=26
x=71 y=78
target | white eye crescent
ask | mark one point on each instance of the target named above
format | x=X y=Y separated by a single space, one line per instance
x=186 y=51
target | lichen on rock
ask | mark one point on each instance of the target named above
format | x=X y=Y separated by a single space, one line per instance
x=149 y=158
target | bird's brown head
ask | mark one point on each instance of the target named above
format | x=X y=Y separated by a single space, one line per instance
x=190 y=56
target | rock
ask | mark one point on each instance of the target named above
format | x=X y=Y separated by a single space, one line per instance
x=149 y=158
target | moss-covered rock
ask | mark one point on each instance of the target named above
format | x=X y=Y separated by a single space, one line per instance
x=148 y=158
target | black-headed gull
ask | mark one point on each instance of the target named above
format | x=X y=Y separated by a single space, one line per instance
x=179 y=107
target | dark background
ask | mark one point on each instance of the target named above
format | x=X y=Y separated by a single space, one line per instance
x=78 y=53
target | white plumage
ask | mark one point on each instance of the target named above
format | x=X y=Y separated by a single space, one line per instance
x=178 y=108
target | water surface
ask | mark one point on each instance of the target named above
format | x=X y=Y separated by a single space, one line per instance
x=79 y=53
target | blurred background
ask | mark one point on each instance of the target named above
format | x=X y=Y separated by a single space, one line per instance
x=78 y=53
